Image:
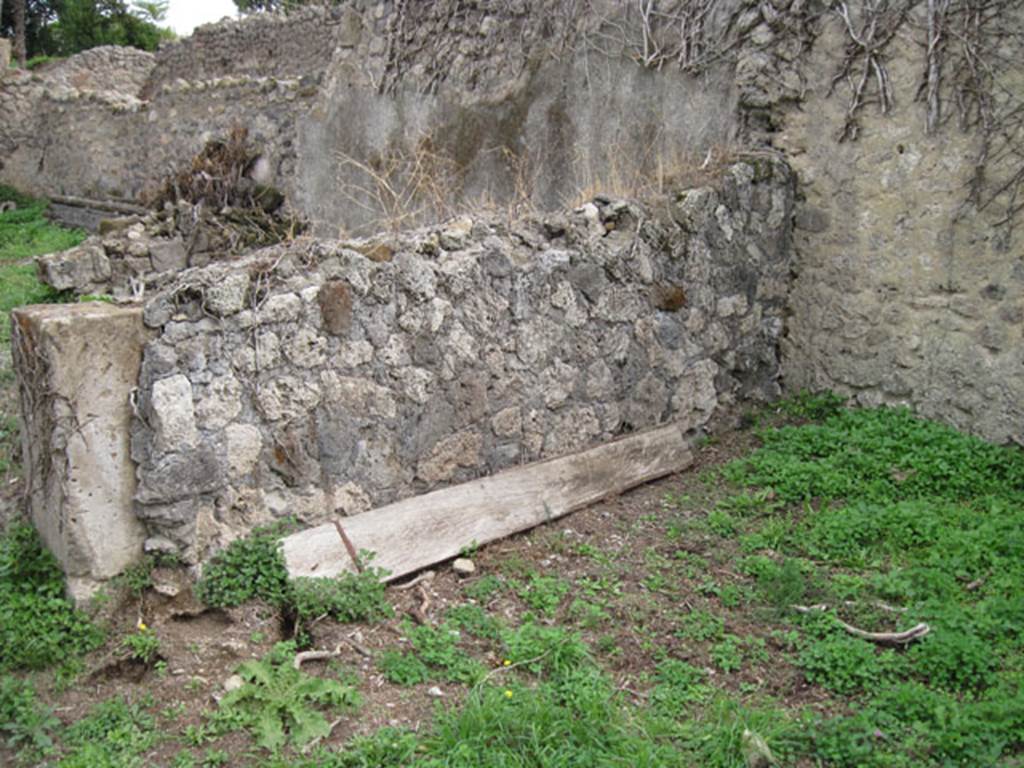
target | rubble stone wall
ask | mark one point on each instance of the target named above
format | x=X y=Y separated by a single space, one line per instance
x=261 y=45
x=321 y=377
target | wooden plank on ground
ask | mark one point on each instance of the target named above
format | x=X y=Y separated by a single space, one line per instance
x=417 y=532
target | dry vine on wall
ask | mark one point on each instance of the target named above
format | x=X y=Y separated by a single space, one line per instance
x=971 y=51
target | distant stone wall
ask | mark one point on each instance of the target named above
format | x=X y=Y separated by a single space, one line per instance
x=108 y=75
x=261 y=45
x=108 y=68
x=325 y=377
x=132 y=145
x=403 y=115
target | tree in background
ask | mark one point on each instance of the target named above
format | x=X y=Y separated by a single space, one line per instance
x=155 y=11
x=65 y=27
x=18 y=10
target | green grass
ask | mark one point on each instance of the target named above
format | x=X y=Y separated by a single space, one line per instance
x=909 y=514
x=25 y=233
x=114 y=735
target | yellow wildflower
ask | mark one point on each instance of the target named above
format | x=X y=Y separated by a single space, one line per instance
x=508 y=693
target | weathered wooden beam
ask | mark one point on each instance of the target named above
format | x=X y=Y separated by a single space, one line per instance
x=112 y=206
x=417 y=532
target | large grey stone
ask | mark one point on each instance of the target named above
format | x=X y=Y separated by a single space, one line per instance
x=84 y=269
x=168 y=255
x=180 y=475
x=228 y=295
x=172 y=415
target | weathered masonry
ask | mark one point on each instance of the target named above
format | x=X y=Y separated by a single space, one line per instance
x=320 y=378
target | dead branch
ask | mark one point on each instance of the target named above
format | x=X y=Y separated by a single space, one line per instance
x=359 y=648
x=304 y=656
x=881 y=638
x=425 y=576
x=869 y=35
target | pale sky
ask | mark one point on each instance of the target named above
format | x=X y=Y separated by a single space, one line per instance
x=185 y=15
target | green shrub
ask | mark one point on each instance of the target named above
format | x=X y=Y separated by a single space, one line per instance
x=545 y=650
x=349 y=597
x=402 y=668
x=24 y=721
x=474 y=620
x=879 y=455
x=249 y=568
x=954 y=660
x=843 y=664
x=113 y=735
x=143 y=645
x=541 y=593
x=438 y=648
x=677 y=685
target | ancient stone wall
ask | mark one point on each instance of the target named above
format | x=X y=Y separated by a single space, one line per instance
x=133 y=144
x=108 y=75
x=324 y=377
x=903 y=294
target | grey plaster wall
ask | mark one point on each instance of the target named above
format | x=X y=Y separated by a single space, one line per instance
x=904 y=292
x=330 y=376
x=562 y=129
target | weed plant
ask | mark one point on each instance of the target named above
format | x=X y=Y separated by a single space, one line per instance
x=115 y=733
x=38 y=626
x=280 y=703
x=24 y=721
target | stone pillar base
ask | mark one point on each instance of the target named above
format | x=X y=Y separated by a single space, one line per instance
x=77 y=365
